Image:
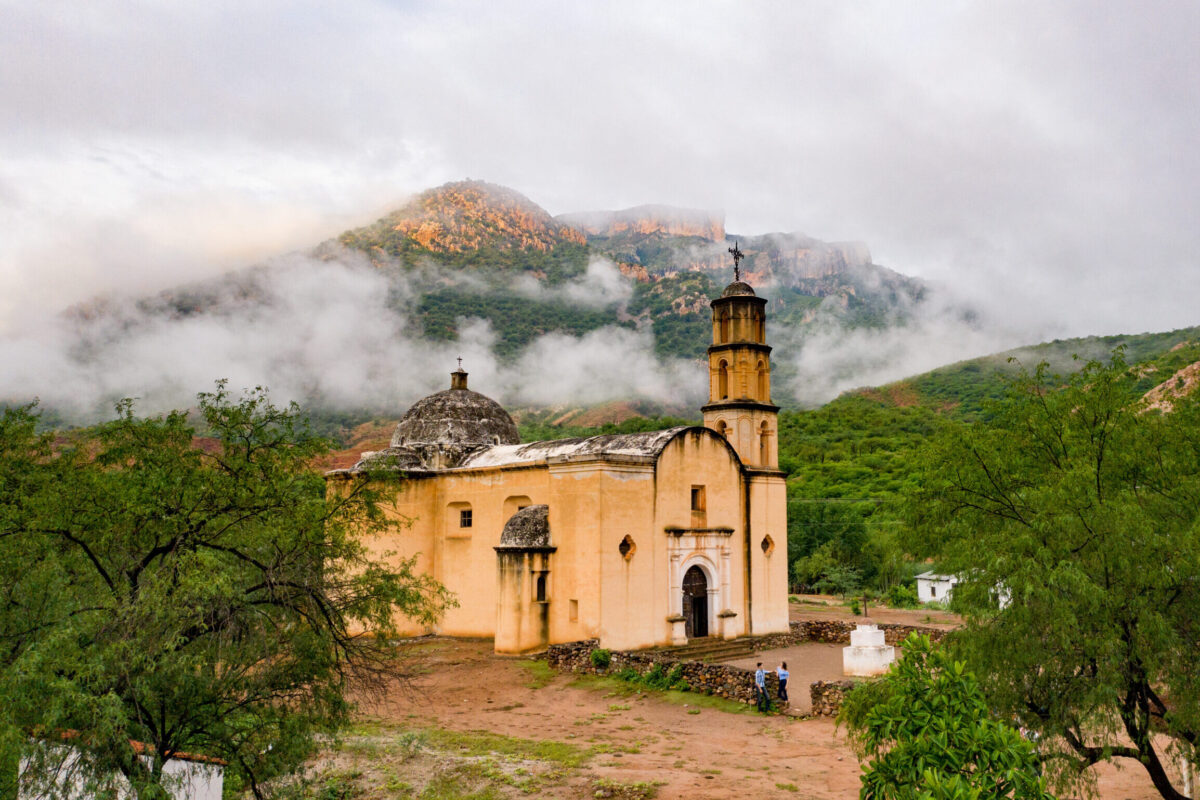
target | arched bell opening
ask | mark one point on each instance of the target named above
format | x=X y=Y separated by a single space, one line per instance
x=764 y=445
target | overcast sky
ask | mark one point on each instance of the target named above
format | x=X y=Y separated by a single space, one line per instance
x=1039 y=157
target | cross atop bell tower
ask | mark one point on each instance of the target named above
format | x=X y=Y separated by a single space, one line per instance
x=739 y=364
x=738 y=255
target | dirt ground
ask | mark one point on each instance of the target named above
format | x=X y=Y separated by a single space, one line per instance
x=825 y=607
x=634 y=745
x=692 y=751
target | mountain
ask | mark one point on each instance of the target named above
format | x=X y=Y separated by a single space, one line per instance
x=478 y=236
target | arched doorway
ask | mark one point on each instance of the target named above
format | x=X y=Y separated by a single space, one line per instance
x=695 y=603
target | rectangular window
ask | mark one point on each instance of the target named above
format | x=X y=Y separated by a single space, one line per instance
x=539 y=593
x=697 y=498
x=464 y=518
x=933 y=591
x=574 y=611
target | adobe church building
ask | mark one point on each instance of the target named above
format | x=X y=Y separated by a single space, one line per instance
x=639 y=540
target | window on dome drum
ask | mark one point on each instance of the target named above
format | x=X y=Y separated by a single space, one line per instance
x=464 y=518
x=698 y=498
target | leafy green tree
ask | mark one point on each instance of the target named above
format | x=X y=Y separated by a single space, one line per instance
x=928 y=732
x=1073 y=518
x=193 y=595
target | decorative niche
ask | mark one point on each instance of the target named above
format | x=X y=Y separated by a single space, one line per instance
x=768 y=545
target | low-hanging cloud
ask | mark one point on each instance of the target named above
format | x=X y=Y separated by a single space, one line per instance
x=333 y=333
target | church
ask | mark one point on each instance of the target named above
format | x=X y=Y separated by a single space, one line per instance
x=637 y=540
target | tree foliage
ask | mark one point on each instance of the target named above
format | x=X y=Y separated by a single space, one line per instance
x=1079 y=512
x=928 y=732
x=193 y=595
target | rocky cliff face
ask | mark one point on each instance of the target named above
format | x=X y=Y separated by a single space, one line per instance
x=649 y=220
x=466 y=216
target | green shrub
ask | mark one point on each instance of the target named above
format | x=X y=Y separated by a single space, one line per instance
x=855 y=608
x=601 y=658
x=901 y=596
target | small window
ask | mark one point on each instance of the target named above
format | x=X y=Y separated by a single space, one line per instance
x=540 y=590
x=573 y=611
x=464 y=518
x=627 y=548
x=933 y=591
x=698 y=498
x=768 y=545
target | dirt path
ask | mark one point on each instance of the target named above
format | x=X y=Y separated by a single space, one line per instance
x=689 y=751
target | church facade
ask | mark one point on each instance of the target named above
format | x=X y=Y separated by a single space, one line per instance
x=638 y=540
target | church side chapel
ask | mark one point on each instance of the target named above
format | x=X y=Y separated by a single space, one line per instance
x=638 y=540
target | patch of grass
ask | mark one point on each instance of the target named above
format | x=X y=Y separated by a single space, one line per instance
x=619 y=707
x=615 y=687
x=641 y=790
x=540 y=673
x=787 y=787
x=693 y=711
x=484 y=743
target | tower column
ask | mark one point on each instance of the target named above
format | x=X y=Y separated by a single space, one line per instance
x=739 y=362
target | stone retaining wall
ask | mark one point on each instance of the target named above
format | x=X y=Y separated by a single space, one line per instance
x=827 y=696
x=736 y=683
x=722 y=680
x=837 y=632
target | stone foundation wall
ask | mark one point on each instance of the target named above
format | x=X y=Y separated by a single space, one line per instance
x=721 y=680
x=827 y=696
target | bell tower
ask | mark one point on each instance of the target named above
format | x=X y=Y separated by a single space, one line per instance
x=739 y=365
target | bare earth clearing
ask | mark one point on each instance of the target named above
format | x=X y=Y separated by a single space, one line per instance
x=474 y=725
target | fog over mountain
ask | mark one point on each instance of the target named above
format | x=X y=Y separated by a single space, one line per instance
x=1033 y=162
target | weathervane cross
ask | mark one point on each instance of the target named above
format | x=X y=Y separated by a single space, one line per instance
x=460 y=363
x=738 y=255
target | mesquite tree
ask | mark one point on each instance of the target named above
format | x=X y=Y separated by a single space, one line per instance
x=1073 y=518
x=165 y=593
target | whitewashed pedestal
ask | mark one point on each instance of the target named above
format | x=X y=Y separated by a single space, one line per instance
x=867 y=653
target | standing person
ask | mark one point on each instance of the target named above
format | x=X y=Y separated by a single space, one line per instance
x=760 y=687
x=782 y=672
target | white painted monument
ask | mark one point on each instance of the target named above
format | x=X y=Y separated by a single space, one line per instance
x=867 y=654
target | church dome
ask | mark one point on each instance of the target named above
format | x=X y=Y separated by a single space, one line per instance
x=738 y=289
x=456 y=416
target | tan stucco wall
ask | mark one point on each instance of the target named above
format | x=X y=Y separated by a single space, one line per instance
x=592 y=589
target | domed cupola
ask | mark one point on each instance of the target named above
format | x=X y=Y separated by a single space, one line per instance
x=457 y=416
x=440 y=430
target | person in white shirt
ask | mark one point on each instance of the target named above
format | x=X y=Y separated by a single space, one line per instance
x=782 y=672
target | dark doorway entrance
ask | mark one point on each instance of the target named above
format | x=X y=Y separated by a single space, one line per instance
x=695 y=603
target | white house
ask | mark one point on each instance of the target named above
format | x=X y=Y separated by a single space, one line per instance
x=187 y=777
x=933 y=587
